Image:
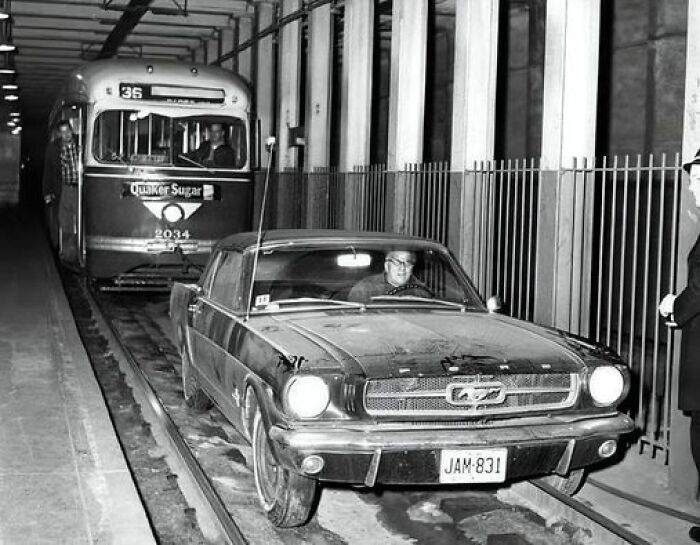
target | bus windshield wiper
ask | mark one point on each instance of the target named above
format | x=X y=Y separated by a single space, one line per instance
x=417 y=299
x=200 y=165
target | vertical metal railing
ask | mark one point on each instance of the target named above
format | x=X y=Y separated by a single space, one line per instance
x=426 y=197
x=505 y=213
x=635 y=228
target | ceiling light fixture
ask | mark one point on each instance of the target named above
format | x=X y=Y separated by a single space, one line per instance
x=11 y=98
x=4 y=14
x=8 y=71
x=10 y=87
x=7 y=48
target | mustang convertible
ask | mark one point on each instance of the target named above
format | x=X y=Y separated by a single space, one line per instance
x=369 y=358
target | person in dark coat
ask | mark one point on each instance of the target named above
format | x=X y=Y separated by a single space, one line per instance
x=684 y=311
x=215 y=152
x=59 y=185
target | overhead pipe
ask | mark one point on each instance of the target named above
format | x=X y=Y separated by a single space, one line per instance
x=282 y=21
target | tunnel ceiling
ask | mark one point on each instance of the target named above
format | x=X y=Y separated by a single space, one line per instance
x=55 y=36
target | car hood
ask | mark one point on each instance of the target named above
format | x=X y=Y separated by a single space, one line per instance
x=400 y=343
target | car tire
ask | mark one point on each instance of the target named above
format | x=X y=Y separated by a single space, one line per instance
x=195 y=398
x=568 y=485
x=287 y=497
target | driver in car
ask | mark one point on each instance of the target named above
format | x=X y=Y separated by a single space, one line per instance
x=397 y=279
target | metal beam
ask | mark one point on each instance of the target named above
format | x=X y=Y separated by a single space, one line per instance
x=239 y=9
x=127 y=22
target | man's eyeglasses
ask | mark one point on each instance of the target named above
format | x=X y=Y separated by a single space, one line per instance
x=400 y=263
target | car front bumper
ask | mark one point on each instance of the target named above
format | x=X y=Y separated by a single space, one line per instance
x=378 y=453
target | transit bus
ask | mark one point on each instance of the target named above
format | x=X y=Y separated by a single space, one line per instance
x=154 y=192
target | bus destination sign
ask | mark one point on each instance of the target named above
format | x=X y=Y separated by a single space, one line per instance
x=170 y=93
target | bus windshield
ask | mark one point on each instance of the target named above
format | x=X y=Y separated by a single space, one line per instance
x=142 y=138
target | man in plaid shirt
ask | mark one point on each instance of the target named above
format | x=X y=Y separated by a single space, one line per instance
x=60 y=188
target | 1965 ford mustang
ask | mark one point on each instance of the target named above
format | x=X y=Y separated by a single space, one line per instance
x=369 y=358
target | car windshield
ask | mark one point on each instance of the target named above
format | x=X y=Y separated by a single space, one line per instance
x=139 y=137
x=360 y=274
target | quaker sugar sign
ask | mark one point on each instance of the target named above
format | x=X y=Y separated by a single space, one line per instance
x=163 y=191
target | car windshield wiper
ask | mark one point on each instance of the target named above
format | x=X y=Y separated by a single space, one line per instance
x=315 y=301
x=200 y=165
x=417 y=299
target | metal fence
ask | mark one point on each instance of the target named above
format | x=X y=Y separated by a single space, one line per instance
x=622 y=214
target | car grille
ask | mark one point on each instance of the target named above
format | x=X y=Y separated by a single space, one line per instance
x=473 y=395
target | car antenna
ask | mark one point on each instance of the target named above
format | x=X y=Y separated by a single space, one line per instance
x=270 y=147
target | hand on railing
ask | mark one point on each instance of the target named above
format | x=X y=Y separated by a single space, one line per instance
x=666 y=309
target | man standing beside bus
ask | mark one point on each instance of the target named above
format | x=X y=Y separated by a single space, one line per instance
x=60 y=188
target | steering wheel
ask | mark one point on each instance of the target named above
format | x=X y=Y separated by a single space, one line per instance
x=399 y=289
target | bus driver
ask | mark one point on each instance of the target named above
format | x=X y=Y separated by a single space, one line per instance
x=215 y=152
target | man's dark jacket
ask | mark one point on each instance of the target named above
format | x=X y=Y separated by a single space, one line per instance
x=686 y=311
x=223 y=155
x=51 y=179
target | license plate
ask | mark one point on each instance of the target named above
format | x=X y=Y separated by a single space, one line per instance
x=473 y=466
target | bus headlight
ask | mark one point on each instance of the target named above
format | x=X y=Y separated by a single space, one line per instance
x=173 y=213
x=606 y=385
x=307 y=396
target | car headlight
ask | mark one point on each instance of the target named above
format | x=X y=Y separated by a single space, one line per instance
x=307 y=396
x=606 y=385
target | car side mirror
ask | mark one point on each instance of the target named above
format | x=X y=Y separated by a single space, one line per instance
x=494 y=304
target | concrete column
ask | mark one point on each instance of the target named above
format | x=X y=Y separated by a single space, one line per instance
x=682 y=472
x=265 y=76
x=227 y=41
x=289 y=89
x=213 y=49
x=245 y=65
x=356 y=92
x=473 y=119
x=568 y=135
x=318 y=110
x=356 y=95
x=409 y=32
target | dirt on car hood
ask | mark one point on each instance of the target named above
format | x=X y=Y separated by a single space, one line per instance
x=397 y=343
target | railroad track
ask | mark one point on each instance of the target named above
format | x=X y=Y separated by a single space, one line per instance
x=216 y=511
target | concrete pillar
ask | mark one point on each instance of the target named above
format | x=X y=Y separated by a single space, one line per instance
x=289 y=89
x=409 y=32
x=245 y=65
x=264 y=76
x=568 y=135
x=473 y=120
x=213 y=48
x=318 y=110
x=356 y=94
x=682 y=472
x=227 y=41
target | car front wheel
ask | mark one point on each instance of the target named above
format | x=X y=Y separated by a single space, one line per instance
x=287 y=497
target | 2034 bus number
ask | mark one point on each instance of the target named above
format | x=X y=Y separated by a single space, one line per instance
x=173 y=234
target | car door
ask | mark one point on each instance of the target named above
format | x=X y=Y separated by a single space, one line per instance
x=215 y=322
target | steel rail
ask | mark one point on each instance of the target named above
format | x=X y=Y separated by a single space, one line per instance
x=232 y=532
x=600 y=519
